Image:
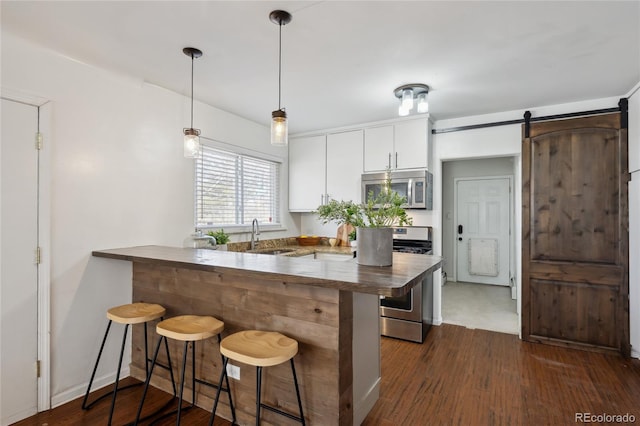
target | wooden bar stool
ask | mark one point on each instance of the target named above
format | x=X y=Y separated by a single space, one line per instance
x=187 y=329
x=260 y=349
x=133 y=313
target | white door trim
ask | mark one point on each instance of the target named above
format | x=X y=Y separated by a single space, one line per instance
x=455 y=219
x=45 y=117
x=45 y=114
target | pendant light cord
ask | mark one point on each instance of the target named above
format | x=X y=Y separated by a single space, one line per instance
x=192 y=90
x=280 y=65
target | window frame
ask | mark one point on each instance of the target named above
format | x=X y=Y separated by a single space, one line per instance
x=240 y=152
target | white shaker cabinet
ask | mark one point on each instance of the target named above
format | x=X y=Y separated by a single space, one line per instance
x=344 y=165
x=378 y=148
x=323 y=167
x=398 y=146
x=411 y=143
x=307 y=168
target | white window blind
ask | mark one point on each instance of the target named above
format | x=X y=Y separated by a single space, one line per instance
x=234 y=189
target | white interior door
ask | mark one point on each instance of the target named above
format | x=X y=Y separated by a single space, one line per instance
x=18 y=270
x=482 y=230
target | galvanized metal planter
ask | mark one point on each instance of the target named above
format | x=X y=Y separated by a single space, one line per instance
x=375 y=246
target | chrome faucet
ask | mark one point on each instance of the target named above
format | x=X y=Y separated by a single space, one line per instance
x=255 y=231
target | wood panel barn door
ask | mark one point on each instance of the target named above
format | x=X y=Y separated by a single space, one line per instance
x=575 y=260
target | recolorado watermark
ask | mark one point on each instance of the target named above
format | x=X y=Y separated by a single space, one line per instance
x=604 y=418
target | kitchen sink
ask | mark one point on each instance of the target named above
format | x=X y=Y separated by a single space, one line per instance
x=274 y=251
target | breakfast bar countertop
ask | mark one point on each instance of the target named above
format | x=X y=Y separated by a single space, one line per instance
x=407 y=269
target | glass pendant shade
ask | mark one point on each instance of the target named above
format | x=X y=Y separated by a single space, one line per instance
x=423 y=105
x=191 y=143
x=279 y=128
x=407 y=99
x=402 y=111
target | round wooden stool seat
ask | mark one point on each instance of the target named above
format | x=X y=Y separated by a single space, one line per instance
x=189 y=328
x=259 y=348
x=135 y=313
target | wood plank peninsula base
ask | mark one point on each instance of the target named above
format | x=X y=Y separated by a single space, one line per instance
x=330 y=308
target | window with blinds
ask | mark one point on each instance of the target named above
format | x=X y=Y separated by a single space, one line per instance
x=234 y=189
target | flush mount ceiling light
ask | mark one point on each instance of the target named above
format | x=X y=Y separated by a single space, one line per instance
x=410 y=94
x=191 y=135
x=279 y=126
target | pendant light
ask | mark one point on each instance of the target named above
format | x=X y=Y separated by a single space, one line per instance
x=191 y=135
x=279 y=126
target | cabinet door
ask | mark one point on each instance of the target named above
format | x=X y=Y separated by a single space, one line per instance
x=378 y=148
x=344 y=165
x=411 y=144
x=307 y=160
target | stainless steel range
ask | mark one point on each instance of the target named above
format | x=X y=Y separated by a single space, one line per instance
x=409 y=317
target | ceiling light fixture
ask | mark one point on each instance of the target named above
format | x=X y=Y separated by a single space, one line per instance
x=279 y=126
x=191 y=135
x=407 y=93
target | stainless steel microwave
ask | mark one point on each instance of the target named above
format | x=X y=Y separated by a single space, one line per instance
x=416 y=186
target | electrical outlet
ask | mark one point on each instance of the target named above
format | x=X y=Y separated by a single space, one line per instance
x=233 y=371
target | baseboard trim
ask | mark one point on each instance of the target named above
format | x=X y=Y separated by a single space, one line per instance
x=19 y=416
x=78 y=391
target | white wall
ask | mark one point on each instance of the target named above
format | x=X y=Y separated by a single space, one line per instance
x=118 y=178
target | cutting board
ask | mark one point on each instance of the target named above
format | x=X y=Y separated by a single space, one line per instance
x=343 y=234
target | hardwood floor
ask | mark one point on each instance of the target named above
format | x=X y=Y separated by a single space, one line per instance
x=458 y=376
x=476 y=377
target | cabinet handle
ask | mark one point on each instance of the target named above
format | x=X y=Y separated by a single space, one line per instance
x=322 y=199
x=389 y=162
x=396 y=160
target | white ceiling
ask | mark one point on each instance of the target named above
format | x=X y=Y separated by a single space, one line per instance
x=342 y=59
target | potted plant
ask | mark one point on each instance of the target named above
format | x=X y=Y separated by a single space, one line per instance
x=345 y=214
x=375 y=232
x=373 y=222
x=221 y=237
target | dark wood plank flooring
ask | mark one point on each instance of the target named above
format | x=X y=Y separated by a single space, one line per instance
x=457 y=377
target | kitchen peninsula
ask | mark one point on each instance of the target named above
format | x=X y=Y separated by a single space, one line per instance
x=330 y=308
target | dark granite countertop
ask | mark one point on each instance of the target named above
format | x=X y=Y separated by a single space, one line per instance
x=407 y=269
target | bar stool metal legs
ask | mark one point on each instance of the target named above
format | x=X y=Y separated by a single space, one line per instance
x=261 y=349
x=174 y=328
x=127 y=314
x=259 y=404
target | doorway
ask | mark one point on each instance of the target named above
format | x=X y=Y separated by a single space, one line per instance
x=479 y=287
x=24 y=295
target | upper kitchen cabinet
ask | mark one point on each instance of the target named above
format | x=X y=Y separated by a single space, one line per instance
x=324 y=167
x=307 y=165
x=397 y=146
x=344 y=165
x=378 y=148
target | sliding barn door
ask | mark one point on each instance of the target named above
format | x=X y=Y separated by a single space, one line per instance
x=575 y=234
